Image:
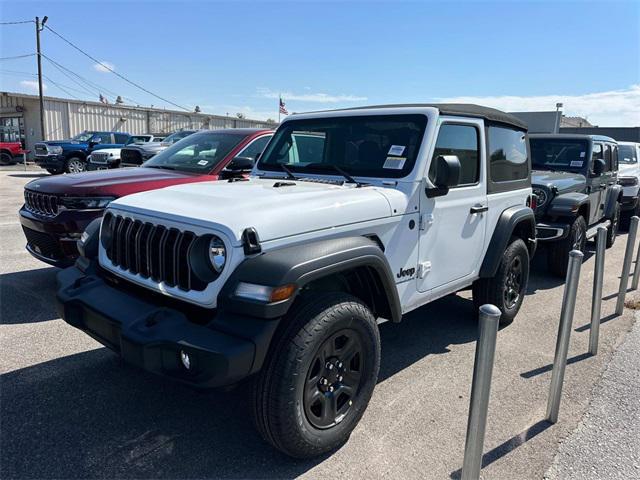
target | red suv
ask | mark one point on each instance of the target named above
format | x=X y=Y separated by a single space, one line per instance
x=57 y=209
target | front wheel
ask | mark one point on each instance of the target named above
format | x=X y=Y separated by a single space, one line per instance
x=319 y=376
x=612 y=230
x=558 y=255
x=75 y=165
x=506 y=289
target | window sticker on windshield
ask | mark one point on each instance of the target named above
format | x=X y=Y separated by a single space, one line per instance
x=204 y=162
x=583 y=154
x=395 y=163
x=396 y=150
x=576 y=163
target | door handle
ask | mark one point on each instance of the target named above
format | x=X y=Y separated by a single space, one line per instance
x=478 y=209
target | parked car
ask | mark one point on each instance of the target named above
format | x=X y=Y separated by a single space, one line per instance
x=70 y=156
x=575 y=181
x=349 y=218
x=629 y=179
x=58 y=209
x=9 y=152
x=106 y=158
x=136 y=155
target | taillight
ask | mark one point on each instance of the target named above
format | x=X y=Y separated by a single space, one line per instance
x=532 y=201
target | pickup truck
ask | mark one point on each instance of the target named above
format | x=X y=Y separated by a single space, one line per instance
x=9 y=151
x=70 y=156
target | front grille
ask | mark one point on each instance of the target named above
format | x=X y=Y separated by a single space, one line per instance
x=133 y=157
x=151 y=251
x=40 y=203
x=43 y=243
x=41 y=149
x=99 y=157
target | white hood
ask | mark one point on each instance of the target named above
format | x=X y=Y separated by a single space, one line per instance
x=114 y=151
x=628 y=170
x=274 y=212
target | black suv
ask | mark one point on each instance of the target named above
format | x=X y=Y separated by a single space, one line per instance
x=574 y=178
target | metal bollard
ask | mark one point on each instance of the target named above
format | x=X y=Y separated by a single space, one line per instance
x=564 y=332
x=24 y=161
x=596 y=301
x=626 y=265
x=480 y=389
x=636 y=271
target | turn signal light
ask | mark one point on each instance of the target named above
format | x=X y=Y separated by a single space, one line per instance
x=282 y=293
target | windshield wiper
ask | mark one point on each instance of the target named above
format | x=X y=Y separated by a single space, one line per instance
x=336 y=168
x=286 y=170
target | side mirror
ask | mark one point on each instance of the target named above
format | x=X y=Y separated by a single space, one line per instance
x=598 y=167
x=240 y=164
x=94 y=141
x=447 y=175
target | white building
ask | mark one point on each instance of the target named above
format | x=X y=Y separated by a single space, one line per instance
x=64 y=118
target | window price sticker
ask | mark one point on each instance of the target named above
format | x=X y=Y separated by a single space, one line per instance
x=394 y=163
x=396 y=150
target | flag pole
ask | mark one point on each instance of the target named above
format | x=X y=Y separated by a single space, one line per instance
x=279 y=103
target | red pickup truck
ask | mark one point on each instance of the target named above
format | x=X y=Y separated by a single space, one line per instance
x=57 y=209
x=9 y=151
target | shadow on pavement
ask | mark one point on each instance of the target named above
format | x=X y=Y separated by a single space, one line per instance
x=507 y=447
x=28 y=296
x=548 y=368
x=584 y=328
x=29 y=175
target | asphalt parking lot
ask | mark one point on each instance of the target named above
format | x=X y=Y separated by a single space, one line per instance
x=70 y=409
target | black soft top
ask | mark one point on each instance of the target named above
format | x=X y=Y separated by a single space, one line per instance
x=462 y=109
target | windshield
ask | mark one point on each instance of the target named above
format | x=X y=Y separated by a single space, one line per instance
x=368 y=146
x=83 y=137
x=174 y=137
x=138 y=139
x=558 y=154
x=198 y=153
x=627 y=154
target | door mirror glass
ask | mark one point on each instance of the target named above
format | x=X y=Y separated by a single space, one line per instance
x=598 y=166
x=446 y=176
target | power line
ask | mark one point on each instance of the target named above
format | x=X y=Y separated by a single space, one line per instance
x=18 y=56
x=19 y=22
x=114 y=72
x=60 y=87
x=83 y=82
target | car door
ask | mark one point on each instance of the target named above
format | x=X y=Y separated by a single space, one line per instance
x=596 y=185
x=452 y=226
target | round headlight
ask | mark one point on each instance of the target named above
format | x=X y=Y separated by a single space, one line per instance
x=541 y=196
x=217 y=253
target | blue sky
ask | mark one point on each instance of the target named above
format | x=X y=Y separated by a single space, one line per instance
x=237 y=57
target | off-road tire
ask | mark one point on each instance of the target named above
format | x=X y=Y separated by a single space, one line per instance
x=558 y=252
x=278 y=391
x=625 y=217
x=54 y=171
x=493 y=290
x=75 y=165
x=5 y=159
x=612 y=230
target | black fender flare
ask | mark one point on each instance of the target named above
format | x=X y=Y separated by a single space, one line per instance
x=614 y=195
x=75 y=153
x=568 y=204
x=302 y=264
x=517 y=218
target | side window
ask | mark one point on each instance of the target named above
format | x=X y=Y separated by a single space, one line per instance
x=508 y=159
x=120 y=138
x=460 y=140
x=254 y=148
x=608 y=160
x=105 y=138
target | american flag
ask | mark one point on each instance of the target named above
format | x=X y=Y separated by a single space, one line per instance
x=283 y=108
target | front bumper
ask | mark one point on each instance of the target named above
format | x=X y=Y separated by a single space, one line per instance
x=629 y=202
x=55 y=162
x=53 y=239
x=551 y=232
x=152 y=335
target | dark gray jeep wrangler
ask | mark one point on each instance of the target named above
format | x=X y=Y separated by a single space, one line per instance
x=574 y=178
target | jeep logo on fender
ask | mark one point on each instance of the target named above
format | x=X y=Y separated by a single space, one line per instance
x=404 y=273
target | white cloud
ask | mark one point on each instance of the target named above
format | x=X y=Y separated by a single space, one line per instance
x=614 y=108
x=100 y=67
x=310 y=96
x=32 y=85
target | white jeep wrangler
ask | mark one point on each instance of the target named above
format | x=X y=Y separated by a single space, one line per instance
x=350 y=218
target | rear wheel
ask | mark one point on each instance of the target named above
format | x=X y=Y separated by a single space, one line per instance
x=75 y=165
x=558 y=254
x=612 y=230
x=319 y=376
x=506 y=289
x=5 y=158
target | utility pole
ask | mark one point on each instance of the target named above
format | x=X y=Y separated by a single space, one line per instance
x=39 y=27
